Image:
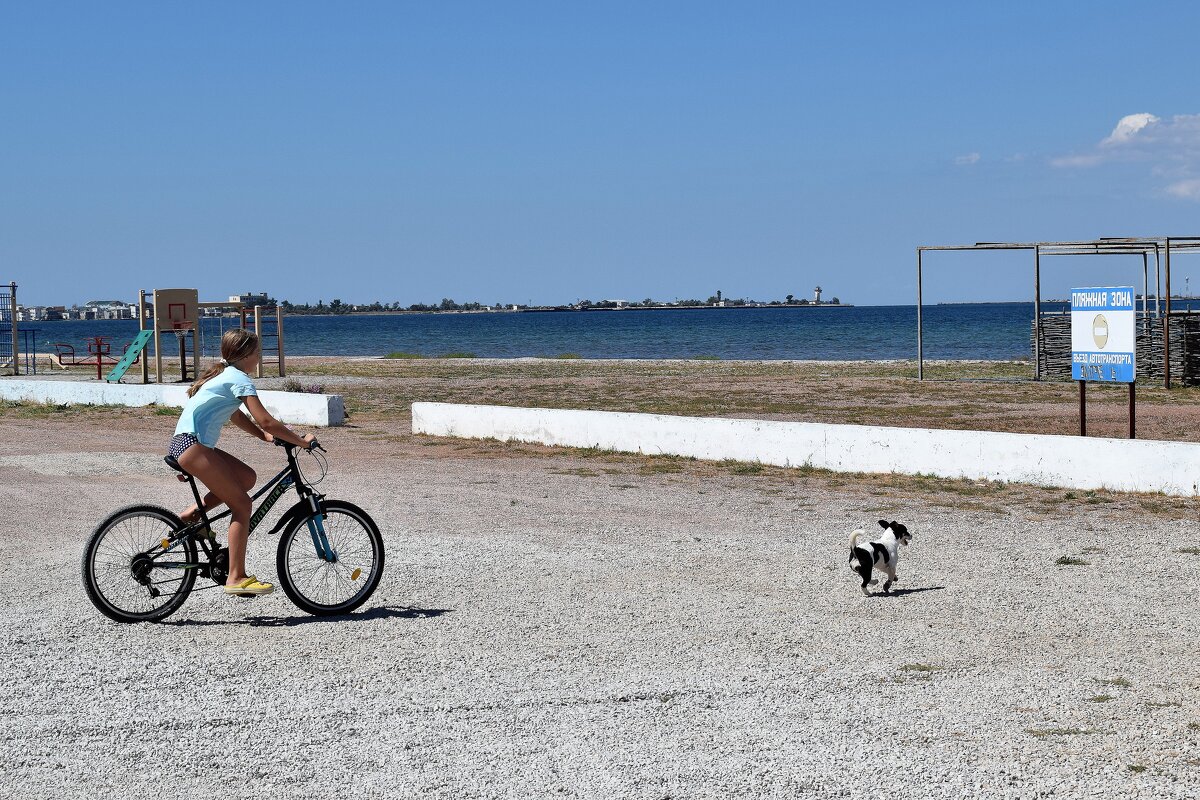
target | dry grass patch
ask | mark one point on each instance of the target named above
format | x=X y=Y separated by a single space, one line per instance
x=837 y=392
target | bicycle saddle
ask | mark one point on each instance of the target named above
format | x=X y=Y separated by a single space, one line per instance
x=173 y=464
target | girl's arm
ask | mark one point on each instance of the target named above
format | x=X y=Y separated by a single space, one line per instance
x=273 y=426
x=246 y=424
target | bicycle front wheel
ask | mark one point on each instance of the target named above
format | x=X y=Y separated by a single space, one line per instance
x=128 y=575
x=330 y=563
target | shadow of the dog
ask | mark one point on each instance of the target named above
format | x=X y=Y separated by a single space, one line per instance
x=902 y=592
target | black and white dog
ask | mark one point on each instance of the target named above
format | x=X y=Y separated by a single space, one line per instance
x=882 y=555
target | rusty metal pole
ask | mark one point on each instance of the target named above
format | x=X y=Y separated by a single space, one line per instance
x=920 y=341
x=1145 y=281
x=1157 y=282
x=1146 y=330
x=16 y=344
x=1167 y=317
x=1037 y=313
x=1083 y=408
x=1132 y=411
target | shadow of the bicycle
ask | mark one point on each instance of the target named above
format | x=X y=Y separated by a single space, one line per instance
x=385 y=612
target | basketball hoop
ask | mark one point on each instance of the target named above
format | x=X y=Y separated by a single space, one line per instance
x=181 y=326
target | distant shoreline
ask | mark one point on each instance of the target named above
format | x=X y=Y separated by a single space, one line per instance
x=481 y=311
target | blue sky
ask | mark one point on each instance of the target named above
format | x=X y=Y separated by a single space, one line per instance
x=552 y=151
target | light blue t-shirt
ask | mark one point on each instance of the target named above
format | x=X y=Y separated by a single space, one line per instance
x=211 y=407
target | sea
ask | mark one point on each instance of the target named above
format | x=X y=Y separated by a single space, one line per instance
x=991 y=331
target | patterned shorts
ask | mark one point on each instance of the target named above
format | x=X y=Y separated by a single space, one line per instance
x=180 y=443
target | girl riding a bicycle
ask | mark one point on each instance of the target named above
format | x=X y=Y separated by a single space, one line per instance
x=214 y=400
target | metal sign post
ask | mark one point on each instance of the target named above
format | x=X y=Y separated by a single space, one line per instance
x=1103 y=343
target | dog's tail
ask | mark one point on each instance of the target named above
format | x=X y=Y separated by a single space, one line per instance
x=853 y=543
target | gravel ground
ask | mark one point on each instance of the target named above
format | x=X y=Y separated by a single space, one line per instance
x=548 y=625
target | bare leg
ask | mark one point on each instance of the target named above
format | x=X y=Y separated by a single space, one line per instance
x=212 y=468
x=242 y=473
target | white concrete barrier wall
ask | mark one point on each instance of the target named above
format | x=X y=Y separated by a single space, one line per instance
x=293 y=408
x=1064 y=461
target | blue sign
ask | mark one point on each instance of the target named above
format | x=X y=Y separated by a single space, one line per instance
x=1103 y=334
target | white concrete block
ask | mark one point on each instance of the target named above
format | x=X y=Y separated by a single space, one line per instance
x=1063 y=461
x=292 y=408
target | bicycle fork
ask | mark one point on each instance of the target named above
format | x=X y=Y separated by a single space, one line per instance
x=316 y=529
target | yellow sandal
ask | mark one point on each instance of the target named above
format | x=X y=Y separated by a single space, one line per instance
x=250 y=587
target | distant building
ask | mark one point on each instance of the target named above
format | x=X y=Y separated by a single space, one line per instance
x=817 y=295
x=108 y=309
x=250 y=299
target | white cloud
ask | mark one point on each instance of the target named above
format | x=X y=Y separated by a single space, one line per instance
x=1187 y=189
x=969 y=158
x=1128 y=127
x=1077 y=161
x=1170 y=148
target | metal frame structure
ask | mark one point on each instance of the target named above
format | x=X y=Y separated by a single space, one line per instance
x=1161 y=247
x=8 y=308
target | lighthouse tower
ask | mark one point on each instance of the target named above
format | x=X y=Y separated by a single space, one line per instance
x=817 y=295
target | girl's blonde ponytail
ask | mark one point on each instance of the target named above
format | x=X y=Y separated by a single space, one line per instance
x=236 y=344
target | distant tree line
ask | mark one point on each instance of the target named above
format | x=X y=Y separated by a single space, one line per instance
x=336 y=306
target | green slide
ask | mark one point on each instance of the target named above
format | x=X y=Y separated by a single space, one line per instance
x=139 y=344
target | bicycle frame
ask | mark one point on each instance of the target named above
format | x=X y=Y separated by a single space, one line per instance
x=289 y=477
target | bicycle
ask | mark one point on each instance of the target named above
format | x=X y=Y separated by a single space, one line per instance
x=141 y=562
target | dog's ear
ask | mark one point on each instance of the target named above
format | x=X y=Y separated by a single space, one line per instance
x=883 y=523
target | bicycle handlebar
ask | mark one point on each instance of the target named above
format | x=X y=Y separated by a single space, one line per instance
x=313 y=445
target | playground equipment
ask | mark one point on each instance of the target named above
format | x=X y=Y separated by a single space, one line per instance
x=179 y=311
x=99 y=353
x=175 y=311
x=10 y=342
x=269 y=328
x=133 y=353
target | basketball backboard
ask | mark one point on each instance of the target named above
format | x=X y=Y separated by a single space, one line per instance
x=175 y=309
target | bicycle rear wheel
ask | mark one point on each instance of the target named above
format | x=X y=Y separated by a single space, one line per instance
x=322 y=586
x=128 y=576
